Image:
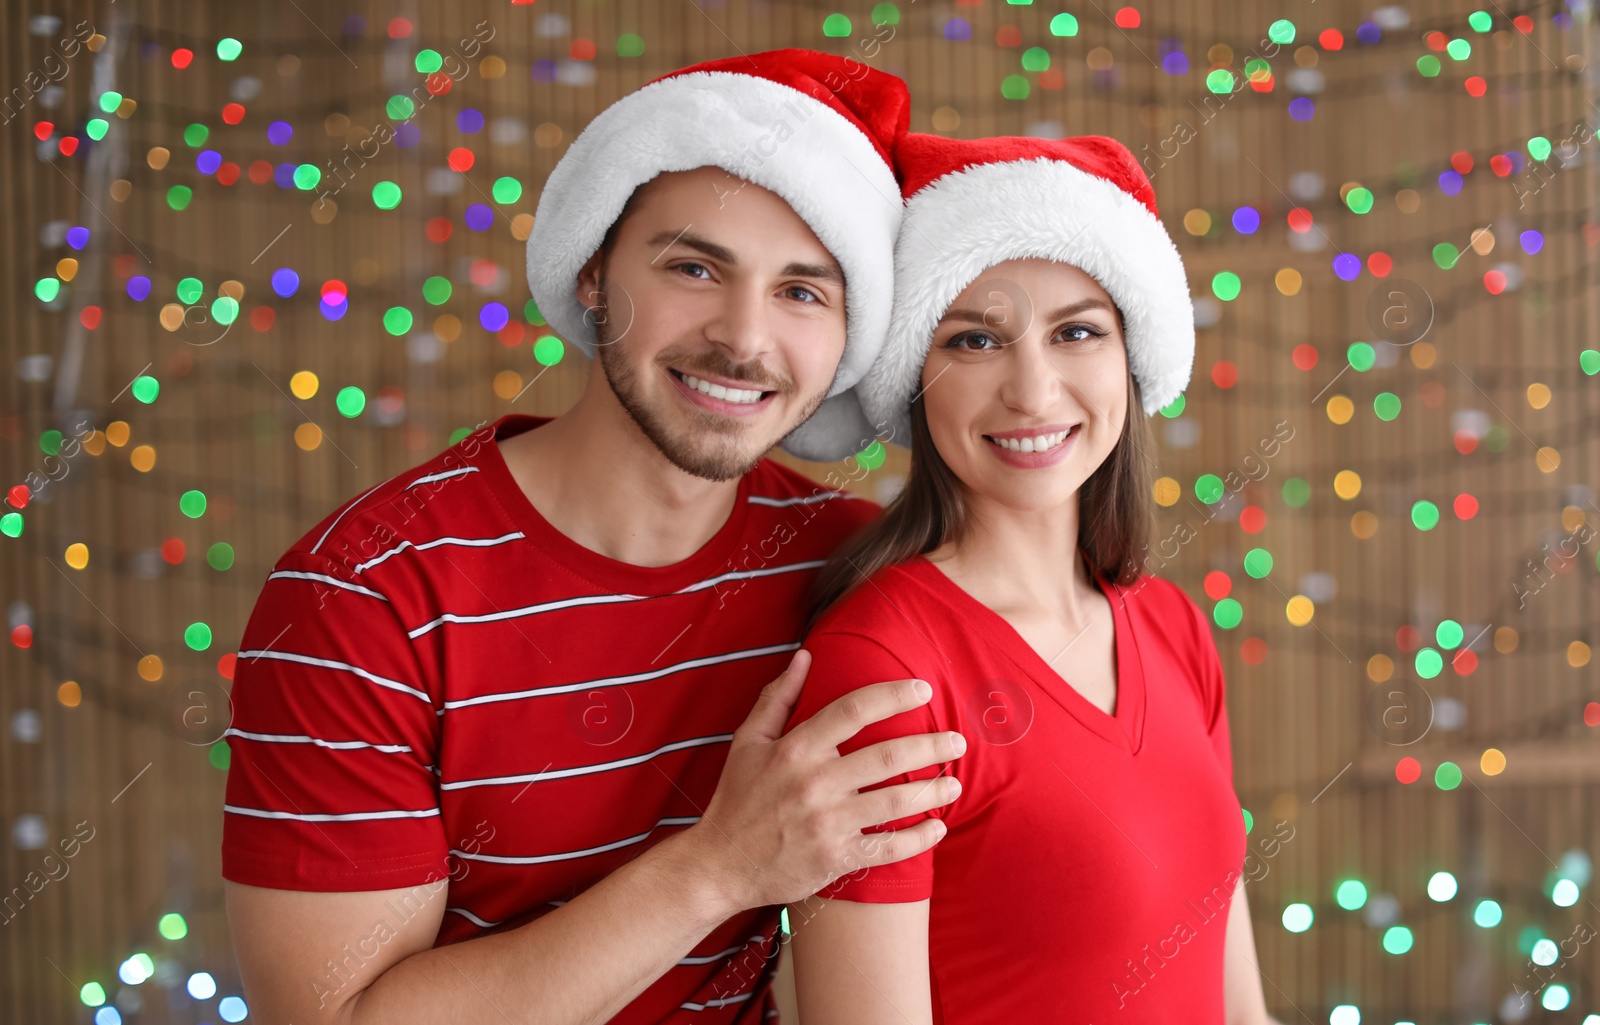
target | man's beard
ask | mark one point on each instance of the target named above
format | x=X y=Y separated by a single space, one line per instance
x=718 y=450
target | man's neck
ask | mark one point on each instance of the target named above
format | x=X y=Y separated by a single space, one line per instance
x=595 y=476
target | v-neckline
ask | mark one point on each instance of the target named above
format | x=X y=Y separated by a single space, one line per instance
x=1125 y=728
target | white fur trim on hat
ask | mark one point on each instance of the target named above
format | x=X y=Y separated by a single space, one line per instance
x=965 y=222
x=820 y=163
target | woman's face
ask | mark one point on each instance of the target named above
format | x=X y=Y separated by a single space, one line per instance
x=1031 y=348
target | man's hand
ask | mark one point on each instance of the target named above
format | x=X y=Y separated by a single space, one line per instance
x=786 y=818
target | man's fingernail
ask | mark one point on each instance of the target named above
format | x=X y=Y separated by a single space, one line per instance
x=922 y=689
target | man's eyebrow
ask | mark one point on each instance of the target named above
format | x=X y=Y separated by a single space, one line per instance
x=685 y=237
x=723 y=254
x=982 y=316
x=821 y=271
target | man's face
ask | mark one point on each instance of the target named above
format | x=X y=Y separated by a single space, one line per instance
x=715 y=283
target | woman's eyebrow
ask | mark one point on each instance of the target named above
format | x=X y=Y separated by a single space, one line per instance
x=982 y=316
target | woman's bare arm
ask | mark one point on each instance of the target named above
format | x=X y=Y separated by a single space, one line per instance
x=1241 y=974
x=861 y=964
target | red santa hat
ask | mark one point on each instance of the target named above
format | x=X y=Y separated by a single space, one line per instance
x=972 y=204
x=816 y=129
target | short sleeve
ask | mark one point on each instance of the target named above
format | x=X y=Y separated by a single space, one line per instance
x=1208 y=664
x=841 y=663
x=333 y=741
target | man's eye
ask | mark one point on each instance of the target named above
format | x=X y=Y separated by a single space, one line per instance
x=801 y=290
x=690 y=268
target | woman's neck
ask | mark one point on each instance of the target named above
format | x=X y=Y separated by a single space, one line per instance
x=1024 y=561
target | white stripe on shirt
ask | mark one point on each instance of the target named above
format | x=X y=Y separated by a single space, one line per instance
x=342 y=515
x=690 y=1005
x=586 y=770
x=605 y=599
x=619 y=681
x=332 y=745
x=821 y=496
x=473 y=542
x=328 y=663
x=430 y=478
x=354 y=816
x=539 y=859
x=295 y=574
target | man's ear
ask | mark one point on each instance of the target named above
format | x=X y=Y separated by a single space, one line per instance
x=588 y=287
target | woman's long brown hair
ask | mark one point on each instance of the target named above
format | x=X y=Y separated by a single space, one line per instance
x=1113 y=513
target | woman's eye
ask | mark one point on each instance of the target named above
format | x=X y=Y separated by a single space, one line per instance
x=956 y=342
x=1086 y=333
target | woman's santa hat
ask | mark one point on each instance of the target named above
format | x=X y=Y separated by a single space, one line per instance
x=816 y=129
x=972 y=204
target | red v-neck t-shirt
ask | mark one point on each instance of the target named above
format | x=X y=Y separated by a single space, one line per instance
x=1091 y=857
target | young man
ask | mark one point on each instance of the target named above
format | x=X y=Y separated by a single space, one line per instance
x=494 y=750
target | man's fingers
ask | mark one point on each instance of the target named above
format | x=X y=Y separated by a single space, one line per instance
x=896 y=845
x=889 y=758
x=844 y=717
x=777 y=700
x=876 y=807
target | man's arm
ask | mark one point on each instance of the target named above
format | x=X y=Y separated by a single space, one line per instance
x=784 y=822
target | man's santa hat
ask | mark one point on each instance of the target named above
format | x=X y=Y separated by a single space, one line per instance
x=816 y=129
x=972 y=204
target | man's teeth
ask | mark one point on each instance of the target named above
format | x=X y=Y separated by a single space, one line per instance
x=1042 y=443
x=717 y=391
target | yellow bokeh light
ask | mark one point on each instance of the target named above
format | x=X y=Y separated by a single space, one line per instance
x=1577 y=654
x=157 y=157
x=1547 y=459
x=77 y=555
x=1347 y=484
x=1220 y=55
x=1197 y=222
x=143 y=458
x=1483 y=242
x=1572 y=518
x=121 y=189
x=70 y=694
x=232 y=289
x=1424 y=355
x=447 y=327
x=1363 y=525
x=1379 y=668
x=1288 y=281
x=1100 y=59
x=1166 y=491
x=507 y=384
x=1505 y=640
x=94 y=443
x=150 y=668
x=1407 y=201
x=547 y=135
x=66 y=268
x=172 y=316
x=522 y=226
x=492 y=67
x=1341 y=409
x=117 y=433
x=1300 y=610
x=324 y=210
x=303 y=385
x=1538 y=395
x=1493 y=762
x=946 y=119
x=308 y=436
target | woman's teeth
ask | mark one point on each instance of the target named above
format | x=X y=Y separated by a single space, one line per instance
x=1042 y=443
x=717 y=391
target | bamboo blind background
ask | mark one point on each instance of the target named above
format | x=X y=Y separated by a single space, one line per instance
x=1309 y=748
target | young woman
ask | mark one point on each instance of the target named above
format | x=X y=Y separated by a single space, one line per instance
x=1091 y=867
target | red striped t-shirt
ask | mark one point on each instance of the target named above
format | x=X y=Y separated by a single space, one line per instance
x=436 y=684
